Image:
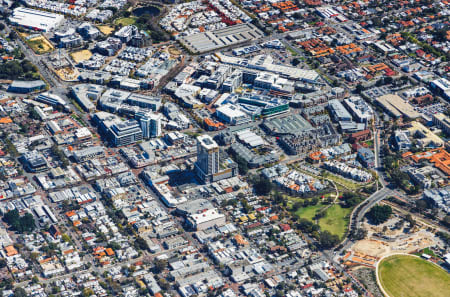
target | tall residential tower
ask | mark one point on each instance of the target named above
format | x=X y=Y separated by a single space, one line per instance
x=209 y=166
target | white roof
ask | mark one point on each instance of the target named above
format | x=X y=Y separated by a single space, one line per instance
x=42 y=20
x=208 y=215
x=207 y=141
x=231 y=111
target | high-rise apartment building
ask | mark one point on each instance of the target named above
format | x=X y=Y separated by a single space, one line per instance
x=151 y=125
x=207 y=157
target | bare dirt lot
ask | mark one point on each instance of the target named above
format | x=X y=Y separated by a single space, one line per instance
x=107 y=30
x=82 y=55
x=391 y=237
x=67 y=73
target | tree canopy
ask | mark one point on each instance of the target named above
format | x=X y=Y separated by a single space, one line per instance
x=379 y=214
x=328 y=240
x=15 y=69
x=19 y=223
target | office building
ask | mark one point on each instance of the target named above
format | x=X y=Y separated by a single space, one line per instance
x=232 y=114
x=442 y=121
x=52 y=99
x=125 y=133
x=86 y=154
x=34 y=161
x=360 y=109
x=206 y=219
x=19 y=86
x=441 y=86
x=338 y=111
x=85 y=94
x=402 y=141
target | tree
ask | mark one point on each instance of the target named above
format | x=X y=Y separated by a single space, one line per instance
x=242 y=165
x=351 y=199
x=297 y=205
x=88 y=292
x=358 y=234
x=379 y=214
x=12 y=35
x=163 y=284
x=35 y=279
x=263 y=186
x=359 y=88
x=410 y=220
x=57 y=152
x=66 y=238
x=19 y=223
x=421 y=205
x=446 y=220
x=160 y=265
x=114 y=245
x=140 y=243
x=20 y=292
x=2 y=26
x=328 y=240
x=307 y=226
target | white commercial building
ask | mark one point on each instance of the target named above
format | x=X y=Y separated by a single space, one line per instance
x=36 y=19
x=206 y=219
x=360 y=109
x=232 y=114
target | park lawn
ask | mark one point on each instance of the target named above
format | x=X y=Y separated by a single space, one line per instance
x=335 y=220
x=343 y=181
x=125 y=21
x=409 y=276
x=308 y=212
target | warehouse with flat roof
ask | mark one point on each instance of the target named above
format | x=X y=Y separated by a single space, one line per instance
x=397 y=107
x=36 y=19
x=214 y=40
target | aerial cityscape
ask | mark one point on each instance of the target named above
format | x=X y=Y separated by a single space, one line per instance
x=224 y=148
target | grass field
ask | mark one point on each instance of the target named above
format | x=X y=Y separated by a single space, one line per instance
x=82 y=55
x=308 y=212
x=40 y=45
x=125 y=21
x=409 y=276
x=335 y=220
x=107 y=30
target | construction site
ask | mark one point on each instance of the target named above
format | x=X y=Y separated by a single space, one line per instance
x=392 y=237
